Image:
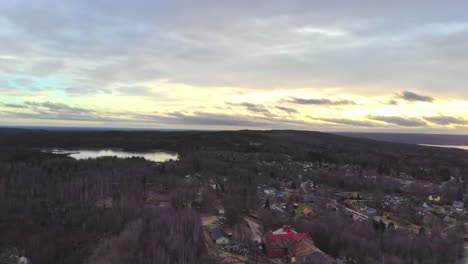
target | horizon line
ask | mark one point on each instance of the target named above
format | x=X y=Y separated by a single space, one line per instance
x=125 y=129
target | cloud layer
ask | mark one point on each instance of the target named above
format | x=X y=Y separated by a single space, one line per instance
x=327 y=65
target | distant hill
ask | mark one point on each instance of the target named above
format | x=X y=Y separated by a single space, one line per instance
x=430 y=139
x=299 y=145
x=11 y=131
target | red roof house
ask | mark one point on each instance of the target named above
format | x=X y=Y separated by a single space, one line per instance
x=278 y=242
x=307 y=212
x=305 y=252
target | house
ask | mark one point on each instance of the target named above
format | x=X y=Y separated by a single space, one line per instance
x=439 y=210
x=349 y=195
x=280 y=194
x=416 y=229
x=340 y=195
x=304 y=210
x=358 y=217
x=277 y=243
x=220 y=211
x=458 y=205
x=434 y=198
x=447 y=219
x=218 y=236
x=354 y=195
x=228 y=231
x=422 y=211
x=305 y=252
x=23 y=260
x=307 y=212
x=284 y=206
x=393 y=200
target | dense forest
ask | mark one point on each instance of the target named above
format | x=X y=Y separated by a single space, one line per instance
x=299 y=145
x=55 y=211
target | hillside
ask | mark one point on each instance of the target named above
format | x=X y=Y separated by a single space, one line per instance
x=430 y=139
x=299 y=145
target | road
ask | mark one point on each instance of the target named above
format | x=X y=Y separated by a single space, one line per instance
x=337 y=204
x=255 y=228
x=351 y=210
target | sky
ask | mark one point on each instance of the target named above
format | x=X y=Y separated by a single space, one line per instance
x=371 y=66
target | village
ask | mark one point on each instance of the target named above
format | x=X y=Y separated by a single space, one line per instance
x=250 y=241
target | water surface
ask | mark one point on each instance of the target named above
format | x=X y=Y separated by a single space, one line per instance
x=447 y=146
x=157 y=156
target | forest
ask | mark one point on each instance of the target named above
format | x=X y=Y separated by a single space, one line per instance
x=55 y=209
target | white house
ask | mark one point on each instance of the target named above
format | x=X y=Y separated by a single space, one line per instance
x=218 y=236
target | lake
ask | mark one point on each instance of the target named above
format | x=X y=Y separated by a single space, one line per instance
x=156 y=156
x=447 y=146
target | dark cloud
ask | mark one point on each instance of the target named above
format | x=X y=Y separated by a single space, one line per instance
x=414 y=97
x=446 y=120
x=58 y=107
x=254 y=108
x=13 y=105
x=56 y=111
x=288 y=110
x=58 y=116
x=350 y=122
x=400 y=121
x=60 y=111
x=303 y=101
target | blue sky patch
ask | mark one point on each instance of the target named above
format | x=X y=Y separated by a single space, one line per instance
x=29 y=82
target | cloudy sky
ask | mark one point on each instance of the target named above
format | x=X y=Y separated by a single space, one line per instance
x=399 y=66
